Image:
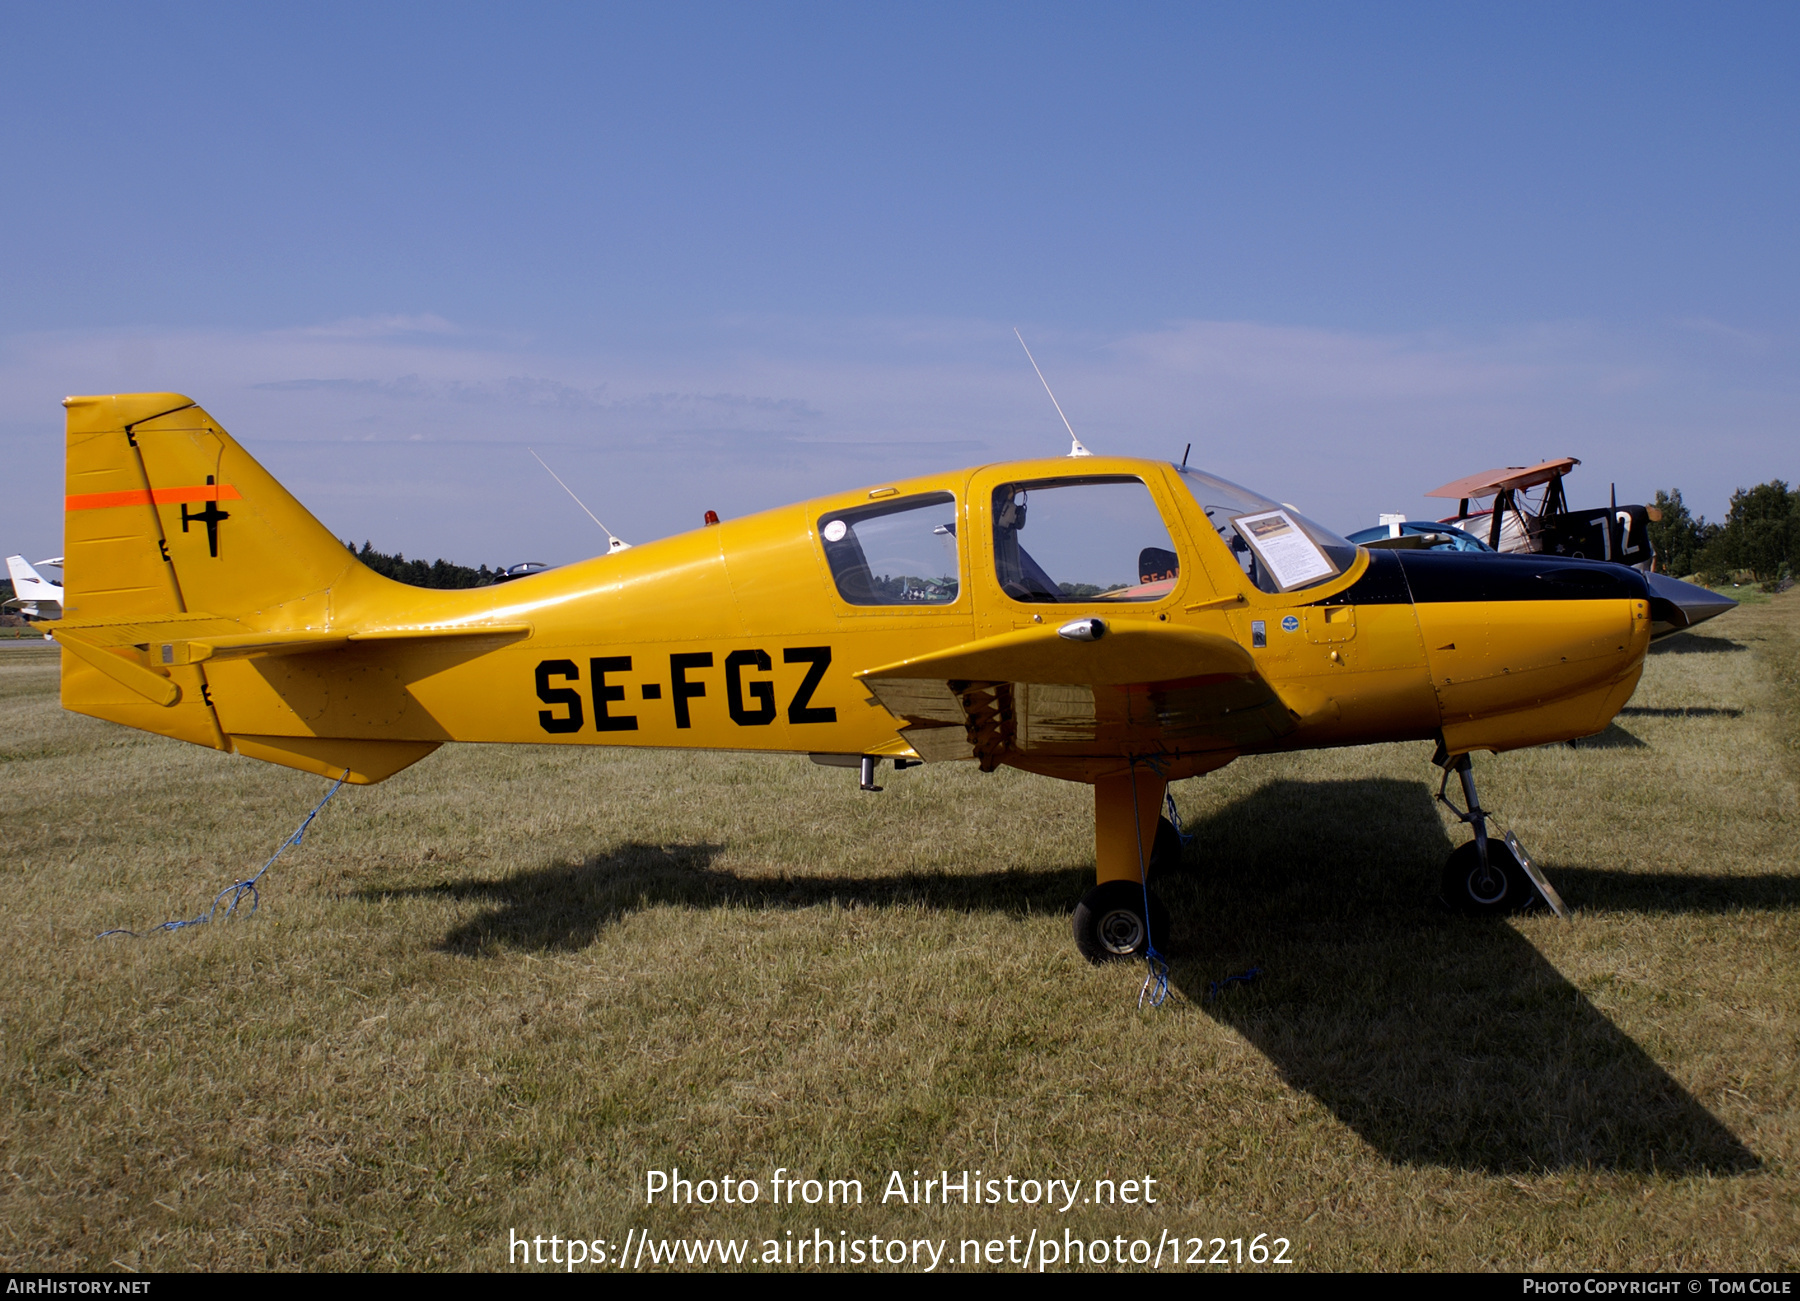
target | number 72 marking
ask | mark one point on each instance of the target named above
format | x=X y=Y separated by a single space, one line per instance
x=1625 y=547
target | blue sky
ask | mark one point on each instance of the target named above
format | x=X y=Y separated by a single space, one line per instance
x=724 y=256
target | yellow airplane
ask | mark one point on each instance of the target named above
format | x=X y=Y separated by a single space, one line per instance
x=1108 y=620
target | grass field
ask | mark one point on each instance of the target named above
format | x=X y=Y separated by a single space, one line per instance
x=491 y=993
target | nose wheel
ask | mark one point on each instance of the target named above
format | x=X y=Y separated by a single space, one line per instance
x=1486 y=889
x=1488 y=877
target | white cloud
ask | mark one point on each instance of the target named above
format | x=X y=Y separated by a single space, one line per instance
x=411 y=431
x=379 y=327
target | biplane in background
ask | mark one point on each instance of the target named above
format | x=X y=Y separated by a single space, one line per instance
x=1516 y=524
x=1113 y=621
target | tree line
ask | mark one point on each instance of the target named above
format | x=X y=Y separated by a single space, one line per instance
x=418 y=573
x=1760 y=538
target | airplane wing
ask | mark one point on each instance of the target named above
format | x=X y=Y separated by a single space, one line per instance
x=1516 y=477
x=1085 y=690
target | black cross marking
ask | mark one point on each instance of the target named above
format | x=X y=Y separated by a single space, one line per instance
x=210 y=517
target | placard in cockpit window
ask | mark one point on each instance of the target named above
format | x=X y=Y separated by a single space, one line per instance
x=1291 y=557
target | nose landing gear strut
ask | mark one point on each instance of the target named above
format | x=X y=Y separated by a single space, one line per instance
x=1487 y=877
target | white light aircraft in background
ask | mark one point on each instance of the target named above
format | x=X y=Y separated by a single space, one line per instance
x=35 y=596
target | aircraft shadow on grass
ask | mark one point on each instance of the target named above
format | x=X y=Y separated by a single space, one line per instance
x=1439 y=1039
x=1613 y=738
x=566 y=906
x=1694 y=644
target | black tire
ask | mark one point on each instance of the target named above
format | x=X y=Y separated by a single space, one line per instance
x=1109 y=923
x=1166 y=858
x=1503 y=888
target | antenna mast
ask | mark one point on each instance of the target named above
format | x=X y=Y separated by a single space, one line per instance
x=613 y=545
x=1075 y=448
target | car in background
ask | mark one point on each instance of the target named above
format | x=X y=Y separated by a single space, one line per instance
x=524 y=569
x=1417 y=535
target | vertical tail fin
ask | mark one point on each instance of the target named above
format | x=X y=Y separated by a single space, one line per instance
x=169 y=524
x=166 y=514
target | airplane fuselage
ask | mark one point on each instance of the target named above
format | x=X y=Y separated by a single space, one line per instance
x=735 y=637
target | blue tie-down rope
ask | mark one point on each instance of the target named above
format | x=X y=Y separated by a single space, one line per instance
x=1186 y=838
x=1217 y=987
x=1156 y=974
x=1156 y=979
x=239 y=889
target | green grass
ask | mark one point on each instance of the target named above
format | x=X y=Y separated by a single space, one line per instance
x=488 y=994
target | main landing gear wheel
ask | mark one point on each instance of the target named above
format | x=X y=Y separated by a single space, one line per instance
x=1109 y=922
x=1492 y=891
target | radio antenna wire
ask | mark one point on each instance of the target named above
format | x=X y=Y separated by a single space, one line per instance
x=613 y=544
x=1075 y=447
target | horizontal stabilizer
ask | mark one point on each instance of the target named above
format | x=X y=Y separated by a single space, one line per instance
x=193 y=638
x=128 y=673
x=181 y=639
x=245 y=644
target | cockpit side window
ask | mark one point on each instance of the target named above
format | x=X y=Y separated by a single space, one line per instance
x=897 y=552
x=1090 y=539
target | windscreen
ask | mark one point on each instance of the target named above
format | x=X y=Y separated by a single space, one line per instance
x=1277 y=547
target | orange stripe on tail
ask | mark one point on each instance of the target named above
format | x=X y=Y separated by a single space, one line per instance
x=152 y=496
